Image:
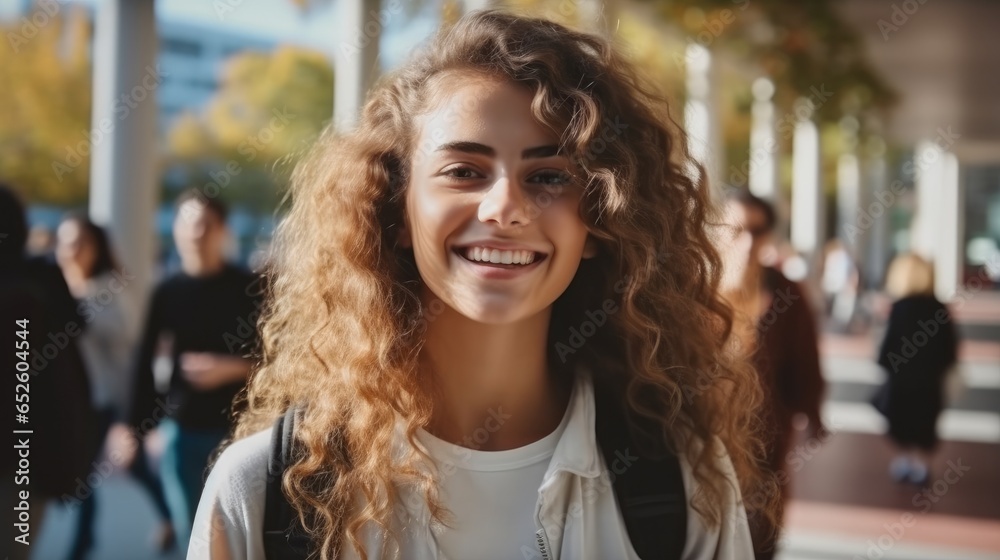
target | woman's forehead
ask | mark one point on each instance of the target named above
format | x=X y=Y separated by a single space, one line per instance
x=478 y=107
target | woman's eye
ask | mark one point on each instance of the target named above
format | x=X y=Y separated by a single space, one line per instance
x=550 y=178
x=461 y=173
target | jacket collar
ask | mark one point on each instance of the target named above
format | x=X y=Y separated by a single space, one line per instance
x=577 y=451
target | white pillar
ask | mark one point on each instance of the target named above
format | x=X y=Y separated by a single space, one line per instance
x=927 y=165
x=876 y=244
x=807 y=188
x=701 y=115
x=937 y=228
x=470 y=5
x=763 y=142
x=949 y=216
x=598 y=16
x=849 y=185
x=124 y=169
x=355 y=59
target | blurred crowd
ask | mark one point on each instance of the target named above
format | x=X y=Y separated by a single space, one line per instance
x=150 y=391
x=151 y=397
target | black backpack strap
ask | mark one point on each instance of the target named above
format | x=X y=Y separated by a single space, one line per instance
x=284 y=538
x=650 y=491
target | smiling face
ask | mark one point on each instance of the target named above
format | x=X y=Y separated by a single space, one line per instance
x=492 y=213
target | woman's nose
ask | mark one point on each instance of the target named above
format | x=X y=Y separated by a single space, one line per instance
x=505 y=204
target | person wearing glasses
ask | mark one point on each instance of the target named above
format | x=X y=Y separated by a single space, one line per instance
x=777 y=329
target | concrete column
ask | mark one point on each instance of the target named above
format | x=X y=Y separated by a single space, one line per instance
x=763 y=143
x=876 y=243
x=470 y=5
x=849 y=186
x=937 y=230
x=927 y=165
x=124 y=170
x=701 y=115
x=355 y=59
x=807 y=223
x=598 y=16
x=949 y=217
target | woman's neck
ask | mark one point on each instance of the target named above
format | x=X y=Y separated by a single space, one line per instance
x=491 y=380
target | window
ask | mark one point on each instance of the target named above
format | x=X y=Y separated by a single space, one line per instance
x=180 y=46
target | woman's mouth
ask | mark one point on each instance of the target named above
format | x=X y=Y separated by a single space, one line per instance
x=502 y=258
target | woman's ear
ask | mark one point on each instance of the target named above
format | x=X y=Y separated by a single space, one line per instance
x=590 y=247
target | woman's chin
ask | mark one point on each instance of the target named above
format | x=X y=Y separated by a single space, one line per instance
x=497 y=312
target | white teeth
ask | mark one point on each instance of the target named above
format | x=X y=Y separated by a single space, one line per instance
x=496 y=256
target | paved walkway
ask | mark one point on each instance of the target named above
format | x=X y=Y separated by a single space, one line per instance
x=844 y=506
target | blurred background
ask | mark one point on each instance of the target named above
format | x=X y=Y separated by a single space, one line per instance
x=873 y=126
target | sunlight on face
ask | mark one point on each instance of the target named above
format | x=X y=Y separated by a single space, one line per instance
x=73 y=245
x=492 y=213
x=199 y=233
x=735 y=246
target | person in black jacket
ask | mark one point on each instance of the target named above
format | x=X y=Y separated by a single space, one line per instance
x=201 y=322
x=54 y=427
x=919 y=348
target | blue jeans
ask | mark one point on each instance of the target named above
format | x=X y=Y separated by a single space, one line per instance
x=83 y=540
x=185 y=459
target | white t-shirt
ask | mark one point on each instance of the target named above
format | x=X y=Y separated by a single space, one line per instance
x=574 y=514
x=492 y=495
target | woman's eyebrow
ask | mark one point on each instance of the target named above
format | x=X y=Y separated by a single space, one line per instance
x=477 y=148
x=468 y=147
x=540 y=152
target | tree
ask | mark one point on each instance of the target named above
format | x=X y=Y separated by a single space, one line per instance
x=45 y=136
x=268 y=109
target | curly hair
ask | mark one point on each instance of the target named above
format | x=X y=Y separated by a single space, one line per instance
x=342 y=332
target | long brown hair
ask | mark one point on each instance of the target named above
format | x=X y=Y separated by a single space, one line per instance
x=342 y=332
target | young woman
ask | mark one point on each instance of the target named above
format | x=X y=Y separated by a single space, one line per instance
x=913 y=395
x=84 y=254
x=512 y=224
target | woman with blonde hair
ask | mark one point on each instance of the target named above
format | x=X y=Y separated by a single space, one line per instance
x=505 y=258
x=919 y=347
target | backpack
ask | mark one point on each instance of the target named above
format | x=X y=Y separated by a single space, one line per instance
x=650 y=493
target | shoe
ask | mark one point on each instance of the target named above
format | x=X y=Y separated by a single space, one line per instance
x=900 y=469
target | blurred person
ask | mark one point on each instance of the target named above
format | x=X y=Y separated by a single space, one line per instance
x=48 y=381
x=419 y=348
x=207 y=312
x=841 y=281
x=84 y=255
x=776 y=328
x=83 y=252
x=919 y=347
